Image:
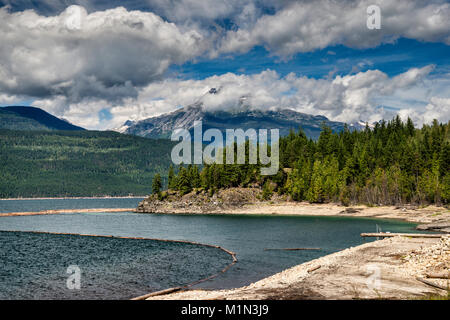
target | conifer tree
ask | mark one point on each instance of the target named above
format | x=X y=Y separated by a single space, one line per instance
x=172 y=184
x=183 y=182
x=156 y=184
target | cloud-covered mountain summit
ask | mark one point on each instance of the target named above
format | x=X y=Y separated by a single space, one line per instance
x=283 y=119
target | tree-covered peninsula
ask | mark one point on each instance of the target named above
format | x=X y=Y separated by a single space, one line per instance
x=387 y=164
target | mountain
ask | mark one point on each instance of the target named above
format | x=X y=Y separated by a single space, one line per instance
x=245 y=118
x=79 y=163
x=31 y=118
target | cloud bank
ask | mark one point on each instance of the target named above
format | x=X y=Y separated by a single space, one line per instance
x=342 y=98
x=101 y=67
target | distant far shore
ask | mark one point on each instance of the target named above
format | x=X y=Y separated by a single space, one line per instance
x=64 y=198
x=45 y=212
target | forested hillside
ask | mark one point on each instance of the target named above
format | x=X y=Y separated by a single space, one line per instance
x=31 y=118
x=78 y=163
x=392 y=163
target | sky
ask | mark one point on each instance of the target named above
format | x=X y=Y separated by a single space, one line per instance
x=101 y=63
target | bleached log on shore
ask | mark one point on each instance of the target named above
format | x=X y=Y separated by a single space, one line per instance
x=431 y=283
x=411 y=235
x=440 y=275
x=157 y=293
x=291 y=249
x=313 y=269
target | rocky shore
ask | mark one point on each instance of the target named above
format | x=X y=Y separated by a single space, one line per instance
x=393 y=268
x=223 y=201
x=404 y=265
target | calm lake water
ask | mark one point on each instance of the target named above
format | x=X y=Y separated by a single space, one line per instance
x=142 y=264
x=58 y=204
x=34 y=266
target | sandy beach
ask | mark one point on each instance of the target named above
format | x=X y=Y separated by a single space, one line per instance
x=428 y=214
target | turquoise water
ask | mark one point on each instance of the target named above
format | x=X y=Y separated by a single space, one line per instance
x=248 y=236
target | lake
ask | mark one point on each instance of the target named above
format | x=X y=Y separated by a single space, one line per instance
x=140 y=266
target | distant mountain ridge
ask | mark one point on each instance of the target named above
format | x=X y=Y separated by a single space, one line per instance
x=32 y=118
x=245 y=118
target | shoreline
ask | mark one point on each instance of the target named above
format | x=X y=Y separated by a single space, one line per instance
x=424 y=215
x=249 y=201
x=431 y=218
x=419 y=215
x=341 y=275
x=344 y=274
x=400 y=263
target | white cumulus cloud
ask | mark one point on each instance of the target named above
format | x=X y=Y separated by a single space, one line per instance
x=303 y=26
x=347 y=98
x=107 y=54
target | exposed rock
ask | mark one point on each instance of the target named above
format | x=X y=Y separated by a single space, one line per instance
x=431 y=260
x=198 y=201
x=441 y=226
x=350 y=210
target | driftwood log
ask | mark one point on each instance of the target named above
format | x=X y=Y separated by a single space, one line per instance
x=158 y=293
x=439 y=275
x=412 y=235
x=291 y=249
x=313 y=269
x=431 y=284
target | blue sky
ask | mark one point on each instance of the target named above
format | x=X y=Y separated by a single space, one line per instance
x=392 y=59
x=100 y=63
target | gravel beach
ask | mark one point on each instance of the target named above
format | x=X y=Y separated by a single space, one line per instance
x=384 y=269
